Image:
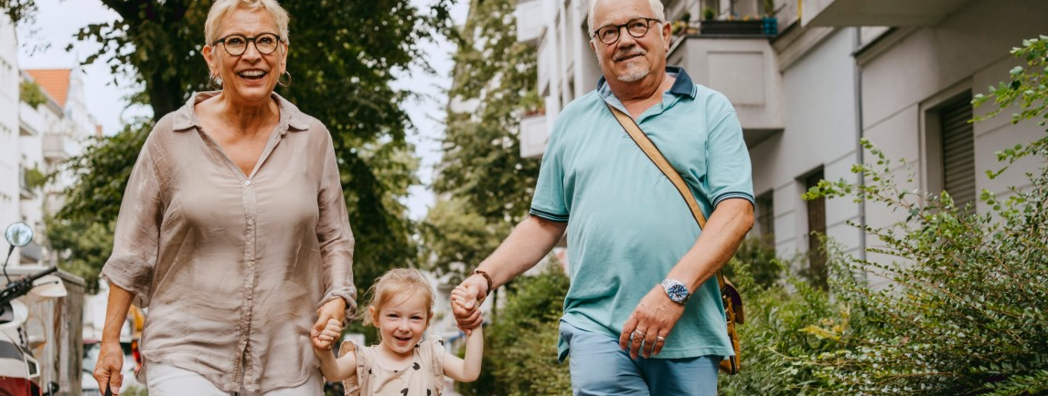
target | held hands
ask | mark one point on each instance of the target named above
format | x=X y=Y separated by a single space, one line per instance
x=646 y=329
x=466 y=300
x=325 y=339
x=333 y=311
x=109 y=366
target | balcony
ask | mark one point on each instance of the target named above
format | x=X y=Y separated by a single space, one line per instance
x=743 y=69
x=876 y=12
x=31 y=253
x=533 y=135
x=54 y=147
x=530 y=20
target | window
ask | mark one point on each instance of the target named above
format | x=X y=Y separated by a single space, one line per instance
x=817 y=272
x=765 y=206
x=958 y=150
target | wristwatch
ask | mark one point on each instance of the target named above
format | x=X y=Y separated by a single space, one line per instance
x=676 y=291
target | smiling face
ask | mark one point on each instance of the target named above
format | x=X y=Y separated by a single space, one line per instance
x=247 y=79
x=401 y=322
x=630 y=59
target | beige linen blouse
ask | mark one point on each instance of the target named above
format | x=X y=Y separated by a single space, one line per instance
x=233 y=267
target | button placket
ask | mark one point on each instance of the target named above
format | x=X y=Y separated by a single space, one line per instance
x=250 y=205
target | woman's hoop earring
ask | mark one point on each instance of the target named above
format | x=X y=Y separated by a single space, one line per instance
x=284 y=84
x=214 y=81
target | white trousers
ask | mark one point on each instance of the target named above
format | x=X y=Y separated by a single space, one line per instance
x=168 y=380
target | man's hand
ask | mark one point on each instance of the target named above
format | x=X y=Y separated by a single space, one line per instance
x=652 y=321
x=466 y=301
x=109 y=365
x=334 y=310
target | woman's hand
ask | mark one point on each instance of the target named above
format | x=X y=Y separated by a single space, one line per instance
x=109 y=366
x=334 y=310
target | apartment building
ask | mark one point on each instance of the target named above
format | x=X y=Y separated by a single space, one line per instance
x=10 y=155
x=35 y=139
x=809 y=78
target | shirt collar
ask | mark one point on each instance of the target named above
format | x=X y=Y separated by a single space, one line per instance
x=291 y=118
x=683 y=86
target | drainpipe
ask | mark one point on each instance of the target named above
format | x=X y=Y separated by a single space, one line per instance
x=860 y=154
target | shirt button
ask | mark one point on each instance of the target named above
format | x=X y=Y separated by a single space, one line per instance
x=247 y=183
x=250 y=222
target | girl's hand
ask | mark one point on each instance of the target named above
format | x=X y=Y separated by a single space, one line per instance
x=466 y=307
x=324 y=339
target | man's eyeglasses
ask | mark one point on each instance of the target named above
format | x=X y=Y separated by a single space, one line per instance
x=637 y=27
x=236 y=44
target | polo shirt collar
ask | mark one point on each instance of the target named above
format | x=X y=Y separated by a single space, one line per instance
x=291 y=118
x=682 y=86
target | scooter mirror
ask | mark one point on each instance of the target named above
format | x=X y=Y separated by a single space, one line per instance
x=49 y=286
x=19 y=234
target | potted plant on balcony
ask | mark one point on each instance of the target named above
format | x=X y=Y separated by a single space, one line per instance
x=748 y=25
x=683 y=25
x=709 y=14
x=532 y=104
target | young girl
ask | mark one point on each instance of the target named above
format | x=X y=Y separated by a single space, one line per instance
x=401 y=307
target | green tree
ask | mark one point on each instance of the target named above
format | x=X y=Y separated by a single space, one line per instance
x=520 y=344
x=481 y=164
x=341 y=75
x=455 y=235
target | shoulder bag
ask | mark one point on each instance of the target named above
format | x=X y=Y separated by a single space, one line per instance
x=732 y=299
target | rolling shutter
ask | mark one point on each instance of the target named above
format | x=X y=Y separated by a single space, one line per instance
x=958 y=151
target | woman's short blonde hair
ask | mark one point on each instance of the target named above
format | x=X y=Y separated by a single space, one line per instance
x=397 y=285
x=222 y=7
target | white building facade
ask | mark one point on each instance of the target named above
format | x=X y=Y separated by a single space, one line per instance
x=818 y=77
x=35 y=140
x=10 y=151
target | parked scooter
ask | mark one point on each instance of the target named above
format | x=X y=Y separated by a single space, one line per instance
x=19 y=371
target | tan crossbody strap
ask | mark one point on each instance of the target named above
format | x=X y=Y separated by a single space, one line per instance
x=660 y=161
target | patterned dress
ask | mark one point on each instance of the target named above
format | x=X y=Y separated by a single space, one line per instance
x=423 y=377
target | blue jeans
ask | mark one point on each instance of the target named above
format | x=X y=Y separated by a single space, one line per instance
x=600 y=367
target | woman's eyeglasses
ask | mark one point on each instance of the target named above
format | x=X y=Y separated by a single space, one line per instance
x=236 y=44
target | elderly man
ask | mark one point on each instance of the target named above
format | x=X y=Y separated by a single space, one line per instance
x=635 y=252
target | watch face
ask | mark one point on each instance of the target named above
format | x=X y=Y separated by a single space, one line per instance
x=677 y=293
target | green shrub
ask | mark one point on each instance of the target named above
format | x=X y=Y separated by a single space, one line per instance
x=965 y=314
x=520 y=344
x=775 y=343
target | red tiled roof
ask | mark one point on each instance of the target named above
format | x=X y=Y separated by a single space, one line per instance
x=53 y=81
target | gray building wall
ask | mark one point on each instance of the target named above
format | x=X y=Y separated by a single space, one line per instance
x=820 y=132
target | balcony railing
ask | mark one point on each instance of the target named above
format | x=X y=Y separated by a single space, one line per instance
x=746 y=71
x=54 y=147
x=533 y=135
x=530 y=20
x=877 y=12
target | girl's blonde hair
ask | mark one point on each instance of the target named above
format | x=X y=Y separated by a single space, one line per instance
x=395 y=285
x=222 y=7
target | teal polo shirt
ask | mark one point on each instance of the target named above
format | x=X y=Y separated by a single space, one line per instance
x=628 y=225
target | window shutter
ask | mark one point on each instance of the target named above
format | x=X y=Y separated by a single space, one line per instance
x=958 y=151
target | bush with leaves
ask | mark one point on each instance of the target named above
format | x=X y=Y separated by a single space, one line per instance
x=966 y=311
x=775 y=338
x=520 y=344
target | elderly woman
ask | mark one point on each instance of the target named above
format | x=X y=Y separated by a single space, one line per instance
x=233 y=229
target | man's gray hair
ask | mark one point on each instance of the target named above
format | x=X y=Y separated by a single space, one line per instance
x=223 y=7
x=656 y=10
